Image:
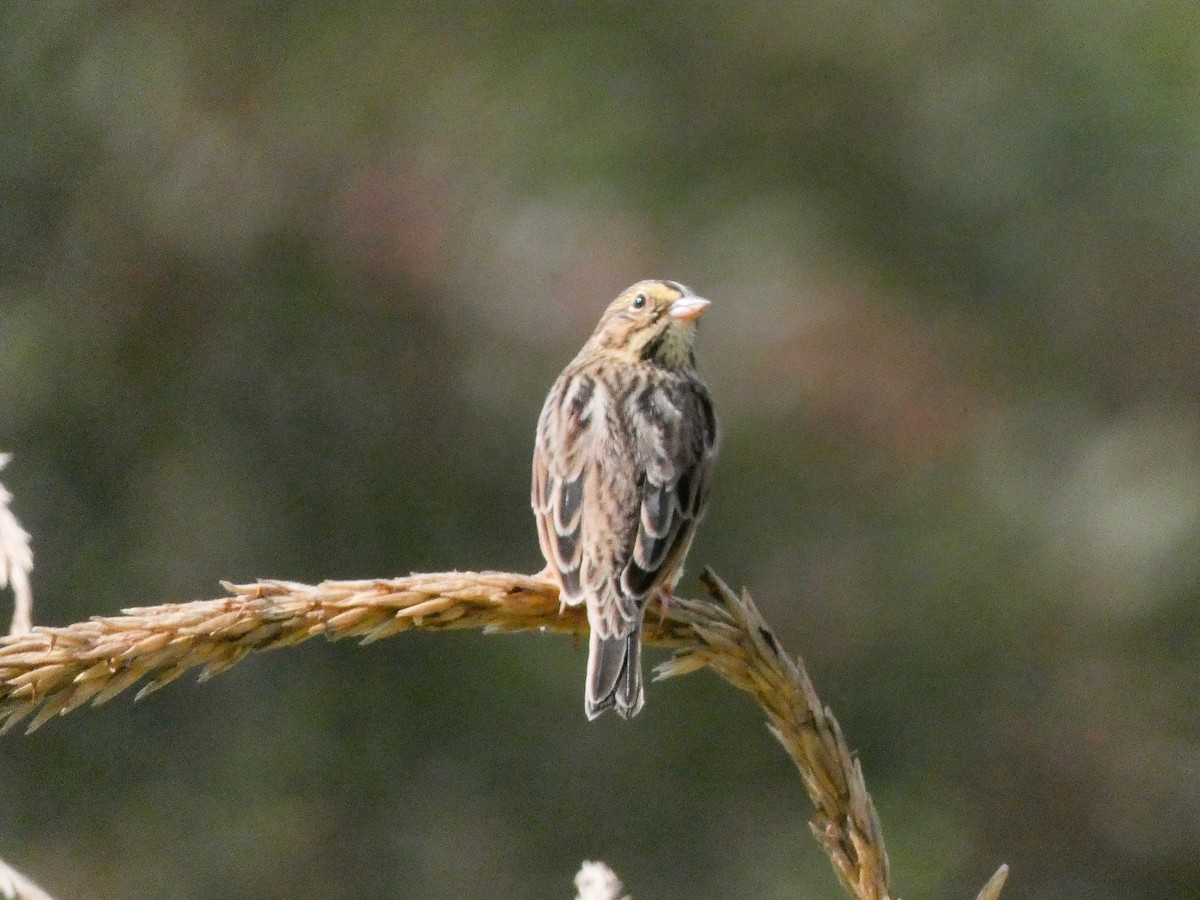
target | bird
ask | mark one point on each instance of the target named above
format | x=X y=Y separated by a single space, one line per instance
x=624 y=450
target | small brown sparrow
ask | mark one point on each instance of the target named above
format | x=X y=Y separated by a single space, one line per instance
x=625 y=444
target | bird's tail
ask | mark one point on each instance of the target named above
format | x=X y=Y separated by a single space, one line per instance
x=614 y=676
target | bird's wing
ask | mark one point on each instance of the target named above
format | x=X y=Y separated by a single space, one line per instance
x=677 y=436
x=559 y=475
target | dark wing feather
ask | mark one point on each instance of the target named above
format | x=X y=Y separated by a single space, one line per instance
x=658 y=531
x=677 y=431
x=559 y=473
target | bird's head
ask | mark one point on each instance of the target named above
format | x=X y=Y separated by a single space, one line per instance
x=652 y=321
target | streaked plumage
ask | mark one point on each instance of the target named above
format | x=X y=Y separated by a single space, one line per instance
x=625 y=444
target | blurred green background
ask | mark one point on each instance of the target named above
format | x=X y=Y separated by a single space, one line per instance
x=283 y=286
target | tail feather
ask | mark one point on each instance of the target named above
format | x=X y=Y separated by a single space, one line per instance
x=614 y=677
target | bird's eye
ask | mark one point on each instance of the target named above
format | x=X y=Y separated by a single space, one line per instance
x=639 y=301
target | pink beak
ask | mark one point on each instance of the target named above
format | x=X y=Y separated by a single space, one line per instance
x=688 y=307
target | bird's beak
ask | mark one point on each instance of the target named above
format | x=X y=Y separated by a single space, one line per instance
x=688 y=307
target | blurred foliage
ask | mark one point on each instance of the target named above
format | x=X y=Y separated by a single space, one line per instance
x=282 y=286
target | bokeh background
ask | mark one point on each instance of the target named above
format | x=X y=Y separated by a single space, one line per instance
x=283 y=285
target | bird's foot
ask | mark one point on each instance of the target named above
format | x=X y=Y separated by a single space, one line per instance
x=548 y=574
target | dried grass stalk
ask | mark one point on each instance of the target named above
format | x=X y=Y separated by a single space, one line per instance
x=991 y=890
x=745 y=652
x=51 y=671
